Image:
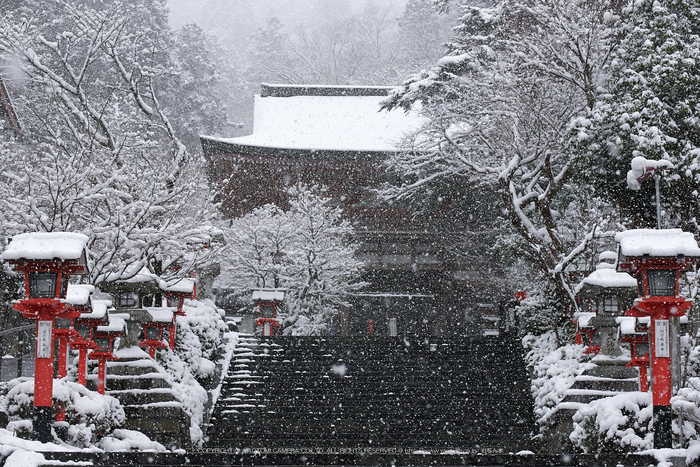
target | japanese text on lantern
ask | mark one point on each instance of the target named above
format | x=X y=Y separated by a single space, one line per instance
x=662 y=338
x=43 y=339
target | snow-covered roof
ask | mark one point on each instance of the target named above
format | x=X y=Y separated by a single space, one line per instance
x=99 y=309
x=628 y=324
x=180 y=285
x=608 y=278
x=144 y=275
x=161 y=314
x=66 y=246
x=659 y=243
x=327 y=122
x=79 y=294
x=583 y=318
x=268 y=296
x=116 y=324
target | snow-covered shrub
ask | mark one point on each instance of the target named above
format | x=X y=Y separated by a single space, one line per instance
x=621 y=423
x=199 y=335
x=553 y=370
x=90 y=415
x=687 y=403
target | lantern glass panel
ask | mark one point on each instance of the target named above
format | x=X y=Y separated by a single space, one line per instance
x=173 y=301
x=42 y=284
x=64 y=286
x=268 y=311
x=642 y=349
x=152 y=333
x=640 y=284
x=103 y=343
x=610 y=304
x=128 y=300
x=63 y=323
x=661 y=282
x=84 y=330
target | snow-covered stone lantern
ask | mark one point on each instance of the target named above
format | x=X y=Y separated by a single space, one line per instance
x=47 y=261
x=105 y=337
x=656 y=258
x=175 y=293
x=609 y=294
x=268 y=302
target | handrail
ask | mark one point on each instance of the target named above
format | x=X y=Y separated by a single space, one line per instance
x=17 y=329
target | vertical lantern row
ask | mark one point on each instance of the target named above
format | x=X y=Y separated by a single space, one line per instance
x=656 y=258
x=47 y=261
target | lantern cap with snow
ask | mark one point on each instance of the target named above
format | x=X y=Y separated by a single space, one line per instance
x=47 y=259
x=656 y=258
x=606 y=289
x=177 y=290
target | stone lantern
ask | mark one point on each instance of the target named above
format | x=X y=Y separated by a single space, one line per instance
x=268 y=302
x=47 y=261
x=609 y=293
x=657 y=258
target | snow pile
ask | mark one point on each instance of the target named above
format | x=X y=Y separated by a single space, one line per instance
x=90 y=415
x=553 y=370
x=129 y=440
x=622 y=423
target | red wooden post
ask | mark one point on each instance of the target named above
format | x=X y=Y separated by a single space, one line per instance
x=176 y=292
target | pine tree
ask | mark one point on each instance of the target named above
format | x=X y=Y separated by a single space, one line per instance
x=649 y=107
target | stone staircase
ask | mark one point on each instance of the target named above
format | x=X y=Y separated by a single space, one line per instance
x=147 y=397
x=334 y=393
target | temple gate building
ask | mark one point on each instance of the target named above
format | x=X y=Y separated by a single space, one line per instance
x=338 y=137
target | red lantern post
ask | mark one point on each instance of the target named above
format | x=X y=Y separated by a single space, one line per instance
x=268 y=301
x=105 y=337
x=47 y=261
x=154 y=331
x=175 y=293
x=656 y=258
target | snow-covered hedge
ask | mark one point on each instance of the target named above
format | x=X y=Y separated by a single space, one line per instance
x=622 y=423
x=90 y=415
x=190 y=368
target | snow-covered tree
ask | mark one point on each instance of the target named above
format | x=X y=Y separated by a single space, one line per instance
x=648 y=107
x=91 y=81
x=499 y=104
x=307 y=250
